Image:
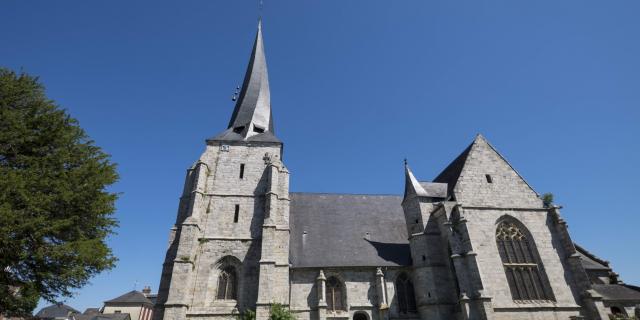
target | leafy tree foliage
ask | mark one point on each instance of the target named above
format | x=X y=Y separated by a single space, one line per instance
x=279 y=312
x=547 y=199
x=276 y=312
x=55 y=211
x=247 y=315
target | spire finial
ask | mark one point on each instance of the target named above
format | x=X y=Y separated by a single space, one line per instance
x=260 y=5
x=405 y=162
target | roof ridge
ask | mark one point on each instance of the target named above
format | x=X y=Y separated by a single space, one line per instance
x=590 y=255
x=348 y=194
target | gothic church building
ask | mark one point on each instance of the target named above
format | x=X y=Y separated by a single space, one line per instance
x=475 y=243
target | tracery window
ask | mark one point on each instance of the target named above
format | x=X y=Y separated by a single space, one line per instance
x=526 y=278
x=405 y=294
x=227 y=284
x=334 y=294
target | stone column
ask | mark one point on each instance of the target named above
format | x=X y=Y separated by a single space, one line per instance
x=322 y=289
x=465 y=306
x=381 y=290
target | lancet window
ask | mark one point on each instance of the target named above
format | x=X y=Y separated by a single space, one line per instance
x=227 y=284
x=335 y=294
x=405 y=294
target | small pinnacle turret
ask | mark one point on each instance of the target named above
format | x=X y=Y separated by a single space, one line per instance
x=411 y=185
x=252 y=118
x=415 y=188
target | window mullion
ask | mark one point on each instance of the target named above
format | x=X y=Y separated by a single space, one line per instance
x=535 y=284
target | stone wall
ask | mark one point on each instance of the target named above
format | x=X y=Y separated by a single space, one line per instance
x=503 y=188
x=482 y=225
x=361 y=292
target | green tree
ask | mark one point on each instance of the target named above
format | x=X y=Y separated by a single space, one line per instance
x=55 y=211
x=279 y=312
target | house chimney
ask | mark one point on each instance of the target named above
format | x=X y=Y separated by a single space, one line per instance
x=146 y=291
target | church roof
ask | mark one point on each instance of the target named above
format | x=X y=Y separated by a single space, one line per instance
x=131 y=297
x=590 y=261
x=452 y=172
x=252 y=119
x=343 y=230
x=617 y=292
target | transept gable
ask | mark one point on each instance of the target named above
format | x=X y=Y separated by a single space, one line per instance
x=481 y=176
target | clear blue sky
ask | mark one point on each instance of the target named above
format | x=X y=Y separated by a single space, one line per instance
x=356 y=87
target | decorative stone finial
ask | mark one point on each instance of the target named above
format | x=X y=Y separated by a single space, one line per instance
x=321 y=276
x=267 y=158
x=379 y=272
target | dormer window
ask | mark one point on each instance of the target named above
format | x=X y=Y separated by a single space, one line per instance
x=238 y=129
x=258 y=129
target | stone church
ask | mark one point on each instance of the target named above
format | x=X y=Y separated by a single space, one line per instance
x=477 y=242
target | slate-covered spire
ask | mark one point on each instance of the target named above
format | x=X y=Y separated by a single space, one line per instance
x=411 y=185
x=252 y=118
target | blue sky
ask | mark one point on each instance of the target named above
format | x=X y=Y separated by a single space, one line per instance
x=356 y=86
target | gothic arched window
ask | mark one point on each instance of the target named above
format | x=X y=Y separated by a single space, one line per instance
x=334 y=294
x=522 y=266
x=227 y=284
x=405 y=294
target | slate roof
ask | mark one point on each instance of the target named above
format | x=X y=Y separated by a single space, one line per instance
x=59 y=310
x=342 y=230
x=91 y=311
x=103 y=316
x=590 y=261
x=617 y=292
x=131 y=297
x=229 y=135
x=253 y=106
x=452 y=172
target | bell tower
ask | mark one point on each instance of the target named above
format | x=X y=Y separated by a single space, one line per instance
x=229 y=248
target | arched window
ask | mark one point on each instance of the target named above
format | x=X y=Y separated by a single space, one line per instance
x=227 y=284
x=360 y=316
x=334 y=294
x=405 y=294
x=525 y=276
